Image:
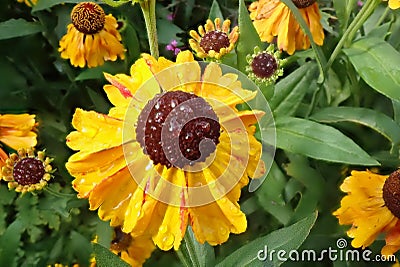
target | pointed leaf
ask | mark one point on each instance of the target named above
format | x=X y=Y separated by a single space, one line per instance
x=286 y=85
x=368 y=117
x=105 y=258
x=290 y=91
x=377 y=62
x=215 y=11
x=192 y=253
x=9 y=242
x=319 y=141
x=248 y=37
x=17 y=28
x=285 y=239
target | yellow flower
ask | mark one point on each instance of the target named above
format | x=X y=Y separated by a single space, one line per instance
x=273 y=18
x=212 y=40
x=26 y=171
x=133 y=250
x=28 y=2
x=394 y=4
x=17 y=130
x=371 y=207
x=92 y=37
x=144 y=172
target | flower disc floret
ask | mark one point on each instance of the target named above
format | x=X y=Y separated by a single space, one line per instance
x=27 y=171
x=391 y=193
x=187 y=119
x=88 y=17
x=214 y=40
x=264 y=67
x=303 y=3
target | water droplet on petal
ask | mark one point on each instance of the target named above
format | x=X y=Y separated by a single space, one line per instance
x=223 y=231
x=168 y=239
x=163 y=229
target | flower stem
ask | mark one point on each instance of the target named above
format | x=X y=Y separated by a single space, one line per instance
x=149 y=13
x=355 y=25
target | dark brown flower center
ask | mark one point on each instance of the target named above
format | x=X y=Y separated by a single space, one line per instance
x=264 y=65
x=88 y=17
x=178 y=128
x=391 y=193
x=214 y=40
x=121 y=240
x=303 y=3
x=28 y=171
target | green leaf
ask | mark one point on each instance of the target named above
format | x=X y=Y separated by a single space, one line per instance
x=248 y=37
x=215 y=11
x=17 y=28
x=314 y=184
x=167 y=31
x=270 y=195
x=105 y=258
x=319 y=141
x=285 y=239
x=367 y=117
x=290 y=91
x=193 y=254
x=285 y=86
x=97 y=73
x=9 y=242
x=396 y=110
x=80 y=247
x=132 y=43
x=45 y=4
x=343 y=11
x=376 y=62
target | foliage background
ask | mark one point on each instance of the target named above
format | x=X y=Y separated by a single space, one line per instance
x=349 y=121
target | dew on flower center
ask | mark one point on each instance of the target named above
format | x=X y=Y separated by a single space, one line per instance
x=178 y=129
x=214 y=40
x=264 y=65
x=28 y=171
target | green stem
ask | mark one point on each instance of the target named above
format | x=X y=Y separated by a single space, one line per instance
x=383 y=17
x=355 y=25
x=149 y=13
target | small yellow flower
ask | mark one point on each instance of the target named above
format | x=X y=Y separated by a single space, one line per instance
x=372 y=207
x=394 y=4
x=212 y=40
x=26 y=171
x=146 y=172
x=28 y=2
x=92 y=37
x=133 y=250
x=273 y=18
x=17 y=130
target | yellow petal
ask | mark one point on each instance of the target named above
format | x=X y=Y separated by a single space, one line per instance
x=95 y=131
